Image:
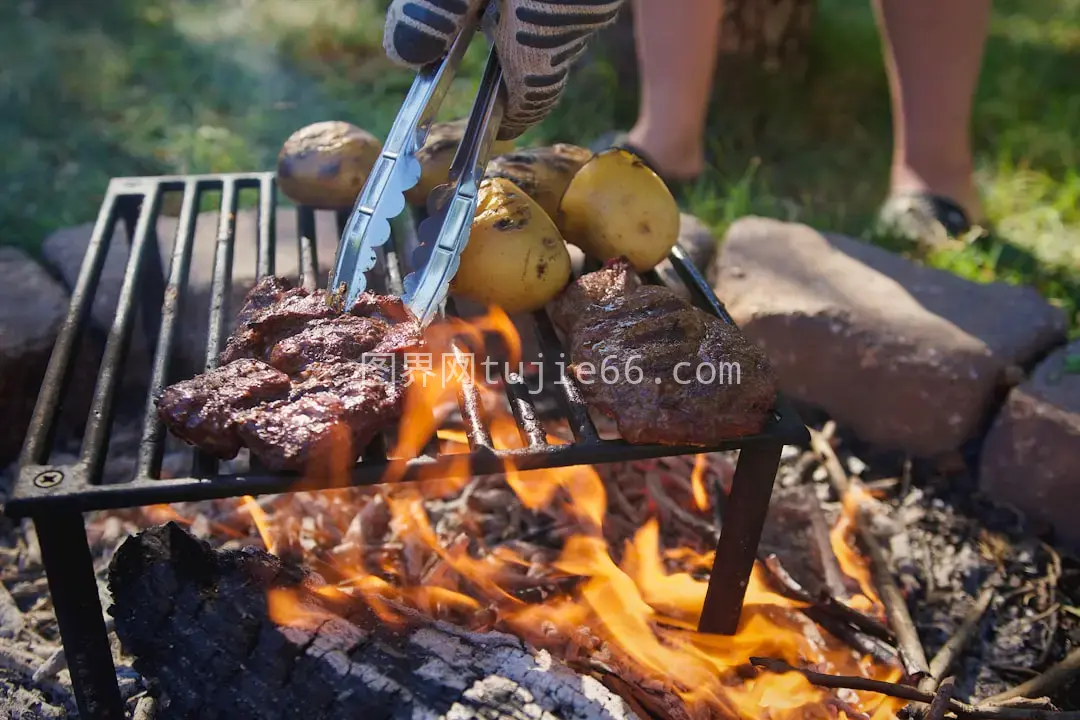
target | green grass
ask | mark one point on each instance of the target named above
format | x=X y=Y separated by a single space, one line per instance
x=90 y=91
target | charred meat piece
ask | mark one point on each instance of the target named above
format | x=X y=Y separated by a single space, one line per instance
x=675 y=374
x=399 y=339
x=345 y=337
x=296 y=383
x=265 y=293
x=342 y=338
x=293 y=310
x=372 y=396
x=383 y=307
x=594 y=293
x=273 y=311
x=333 y=412
x=290 y=434
x=245 y=343
x=203 y=410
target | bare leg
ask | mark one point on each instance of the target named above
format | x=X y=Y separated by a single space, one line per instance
x=676 y=48
x=933 y=53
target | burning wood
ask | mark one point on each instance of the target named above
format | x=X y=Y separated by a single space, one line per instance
x=620 y=607
x=240 y=634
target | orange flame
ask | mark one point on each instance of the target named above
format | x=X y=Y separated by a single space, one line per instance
x=697 y=482
x=262 y=522
x=851 y=562
x=290 y=608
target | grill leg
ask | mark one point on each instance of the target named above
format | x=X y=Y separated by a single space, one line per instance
x=70 y=570
x=736 y=550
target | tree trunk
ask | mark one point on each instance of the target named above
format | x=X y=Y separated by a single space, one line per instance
x=767 y=35
x=198 y=624
x=773 y=35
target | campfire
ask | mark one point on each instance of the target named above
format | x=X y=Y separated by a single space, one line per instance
x=498 y=552
x=601 y=567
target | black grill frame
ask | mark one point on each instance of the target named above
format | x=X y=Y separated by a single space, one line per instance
x=56 y=496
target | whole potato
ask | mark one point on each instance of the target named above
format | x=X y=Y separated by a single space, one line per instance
x=325 y=165
x=515 y=258
x=617 y=206
x=543 y=172
x=438 y=153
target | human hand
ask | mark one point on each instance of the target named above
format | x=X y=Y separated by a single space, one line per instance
x=537 y=42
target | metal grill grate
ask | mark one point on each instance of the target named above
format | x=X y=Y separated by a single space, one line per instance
x=55 y=494
x=79 y=486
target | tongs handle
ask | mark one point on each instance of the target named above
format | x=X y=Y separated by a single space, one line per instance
x=396 y=170
x=471 y=158
x=452 y=207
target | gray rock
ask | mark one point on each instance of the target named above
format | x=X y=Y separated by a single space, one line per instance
x=32 y=307
x=698 y=240
x=700 y=244
x=65 y=250
x=908 y=357
x=1031 y=456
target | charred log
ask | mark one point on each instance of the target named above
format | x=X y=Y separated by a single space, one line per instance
x=200 y=627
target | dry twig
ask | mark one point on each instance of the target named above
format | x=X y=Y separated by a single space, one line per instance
x=859 y=631
x=146 y=709
x=906 y=692
x=11 y=618
x=951 y=650
x=896 y=610
x=672 y=509
x=1056 y=675
x=941 y=699
x=911 y=651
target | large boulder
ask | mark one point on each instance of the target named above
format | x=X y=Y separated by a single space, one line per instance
x=65 y=249
x=908 y=357
x=32 y=308
x=695 y=238
x=1031 y=456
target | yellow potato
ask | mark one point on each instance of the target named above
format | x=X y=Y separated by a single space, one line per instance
x=617 y=206
x=515 y=258
x=437 y=154
x=325 y=165
x=543 y=173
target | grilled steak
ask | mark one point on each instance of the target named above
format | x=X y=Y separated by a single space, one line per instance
x=343 y=338
x=298 y=379
x=273 y=310
x=700 y=380
x=203 y=410
x=333 y=406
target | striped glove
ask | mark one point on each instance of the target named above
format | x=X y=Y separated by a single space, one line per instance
x=537 y=42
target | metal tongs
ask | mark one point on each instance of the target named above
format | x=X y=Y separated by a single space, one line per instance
x=451 y=206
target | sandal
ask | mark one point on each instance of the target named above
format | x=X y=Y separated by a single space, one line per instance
x=923 y=218
x=619 y=139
